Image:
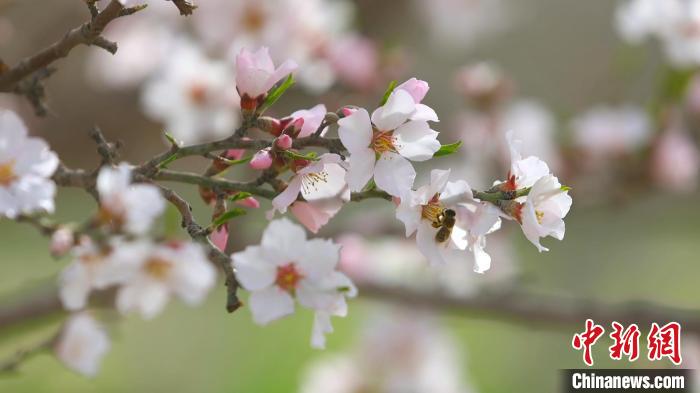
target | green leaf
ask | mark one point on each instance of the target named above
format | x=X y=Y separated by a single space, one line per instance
x=565 y=188
x=387 y=93
x=446 y=150
x=276 y=93
x=229 y=215
x=171 y=139
x=312 y=156
x=236 y=162
x=240 y=196
x=168 y=160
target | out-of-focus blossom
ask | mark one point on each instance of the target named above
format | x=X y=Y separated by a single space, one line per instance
x=155 y=272
x=320 y=179
x=675 y=161
x=129 y=207
x=482 y=83
x=355 y=60
x=382 y=147
x=534 y=125
x=605 y=131
x=398 y=353
x=673 y=22
x=459 y=24
x=26 y=167
x=62 y=241
x=92 y=268
x=194 y=96
x=256 y=73
x=287 y=266
x=82 y=344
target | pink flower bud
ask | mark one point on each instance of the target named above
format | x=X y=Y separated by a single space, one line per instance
x=284 y=141
x=249 y=202
x=61 y=242
x=256 y=73
x=220 y=237
x=416 y=88
x=347 y=111
x=261 y=160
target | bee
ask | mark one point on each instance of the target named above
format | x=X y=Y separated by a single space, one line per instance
x=445 y=221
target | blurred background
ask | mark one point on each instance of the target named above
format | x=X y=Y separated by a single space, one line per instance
x=615 y=117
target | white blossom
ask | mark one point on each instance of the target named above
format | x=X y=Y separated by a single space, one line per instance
x=320 y=179
x=82 y=344
x=157 y=271
x=605 y=131
x=26 y=167
x=286 y=266
x=130 y=207
x=382 y=147
x=193 y=95
x=544 y=210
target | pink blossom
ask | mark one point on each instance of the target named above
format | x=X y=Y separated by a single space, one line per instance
x=261 y=160
x=220 y=237
x=314 y=215
x=416 y=88
x=256 y=73
x=676 y=161
x=283 y=142
x=61 y=241
x=355 y=60
x=311 y=119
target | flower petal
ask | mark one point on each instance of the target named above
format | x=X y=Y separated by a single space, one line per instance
x=394 y=174
x=253 y=270
x=289 y=195
x=361 y=168
x=355 y=131
x=270 y=304
x=416 y=141
x=395 y=112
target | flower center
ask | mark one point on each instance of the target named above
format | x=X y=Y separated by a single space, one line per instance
x=198 y=93
x=434 y=211
x=158 y=268
x=253 y=19
x=310 y=181
x=539 y=215
x=383 y=141
x=288 y=277
x=7 y=173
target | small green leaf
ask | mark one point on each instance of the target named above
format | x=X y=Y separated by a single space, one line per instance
x=387 y=93
x=168 y=160
x=229 y=215
x=240 y=196
x=446 y=150
x=276 y=93
x=312 y=156
x=235 y=162
x=565 y=188
x=171 y=139
x=343 y=289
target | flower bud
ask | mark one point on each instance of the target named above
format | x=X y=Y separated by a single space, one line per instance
x=261 y=160
x=284 y=142
x=62 y=241
x=249 y=202
x=346 y=111
x=270 y=125
x=416 y=88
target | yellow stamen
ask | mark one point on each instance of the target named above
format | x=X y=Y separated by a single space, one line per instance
x=434 y=210
x=310 y=181
x=7 y=173
x=383 y=142
x=540 y=216
x=158 y=268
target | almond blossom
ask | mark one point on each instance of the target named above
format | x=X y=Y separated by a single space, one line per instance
x=382 y=147
x=286 y=266
x=675 y=162
x=256 y=74
x=673 y=22
x=82 y=344
x=130 y=207
x=26 y=167
x=426 y=210
x=312 y=119
x=91 y=268
x=157 y=271
x=608 y=131
x=194 y=96
x=324 y=178
x=544 y=210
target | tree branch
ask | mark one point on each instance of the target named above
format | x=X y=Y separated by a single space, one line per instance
x=86 y=34
x=534 y=310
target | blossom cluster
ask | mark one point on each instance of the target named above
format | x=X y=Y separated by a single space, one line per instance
x=118 y=247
